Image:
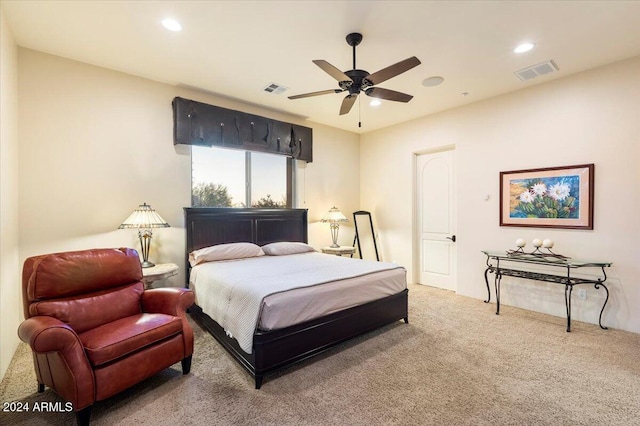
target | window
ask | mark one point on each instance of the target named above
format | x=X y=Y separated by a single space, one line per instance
x=234 y=178
x=268 y=180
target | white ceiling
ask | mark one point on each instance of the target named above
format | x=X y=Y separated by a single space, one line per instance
x=236 y=48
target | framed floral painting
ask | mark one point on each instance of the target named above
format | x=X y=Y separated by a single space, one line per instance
x=553 y=197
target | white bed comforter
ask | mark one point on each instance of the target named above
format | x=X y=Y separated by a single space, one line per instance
x=231 y=292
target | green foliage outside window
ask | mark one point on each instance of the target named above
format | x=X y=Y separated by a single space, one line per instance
x=267 y=202
x=210 y=195
x=217 y=195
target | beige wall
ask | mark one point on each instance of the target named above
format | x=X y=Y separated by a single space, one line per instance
x=10 y=307
x=332 y=179
x=591 y=117
x=96 y=143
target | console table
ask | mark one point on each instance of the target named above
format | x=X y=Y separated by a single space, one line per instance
x=561 y=271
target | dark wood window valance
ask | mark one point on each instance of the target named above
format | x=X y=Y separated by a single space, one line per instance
x=196 y=123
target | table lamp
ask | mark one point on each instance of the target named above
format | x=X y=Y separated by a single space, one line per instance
x=334 y=217
x=144 y=218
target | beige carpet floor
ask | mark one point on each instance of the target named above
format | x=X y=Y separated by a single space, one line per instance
x=455 y=363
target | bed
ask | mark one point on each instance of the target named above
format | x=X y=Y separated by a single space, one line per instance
x=280 y=347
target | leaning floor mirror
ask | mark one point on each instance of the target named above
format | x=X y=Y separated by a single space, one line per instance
x=365 y=239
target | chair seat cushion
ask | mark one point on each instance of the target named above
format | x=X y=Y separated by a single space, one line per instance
x=119 y=338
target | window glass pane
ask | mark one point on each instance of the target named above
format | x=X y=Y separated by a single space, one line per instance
x=217 y=177
x=268 y=180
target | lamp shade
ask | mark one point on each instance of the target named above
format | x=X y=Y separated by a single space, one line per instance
x=334 y=215
x=144 y=217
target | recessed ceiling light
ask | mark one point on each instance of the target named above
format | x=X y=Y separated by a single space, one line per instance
x=432 y=81
x=464 y=94
x=171 y=25
x=375 y=102
x=524 y=47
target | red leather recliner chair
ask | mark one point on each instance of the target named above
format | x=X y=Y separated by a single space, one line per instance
x=94 y=330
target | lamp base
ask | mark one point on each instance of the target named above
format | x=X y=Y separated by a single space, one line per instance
x=145 y=241
x=335 y=227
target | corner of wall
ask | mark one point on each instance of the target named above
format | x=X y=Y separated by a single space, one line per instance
x=10 y=297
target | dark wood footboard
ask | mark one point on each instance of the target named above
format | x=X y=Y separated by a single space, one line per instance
x=273 y=350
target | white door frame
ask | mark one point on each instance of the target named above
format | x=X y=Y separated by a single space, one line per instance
x=415 y=207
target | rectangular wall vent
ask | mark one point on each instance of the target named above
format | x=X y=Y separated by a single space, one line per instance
x=532 y=72
x=274 y=88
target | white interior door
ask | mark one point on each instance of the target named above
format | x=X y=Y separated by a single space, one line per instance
x=436 y=219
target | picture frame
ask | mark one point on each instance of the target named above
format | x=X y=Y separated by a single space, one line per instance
x=552 y=197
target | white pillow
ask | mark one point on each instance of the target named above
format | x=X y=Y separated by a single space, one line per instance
x=283 y=248
x=224 y=252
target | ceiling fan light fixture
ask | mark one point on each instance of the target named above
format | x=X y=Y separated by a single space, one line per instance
x=524 y=47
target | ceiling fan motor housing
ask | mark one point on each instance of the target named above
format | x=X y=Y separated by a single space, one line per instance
x=358 y=81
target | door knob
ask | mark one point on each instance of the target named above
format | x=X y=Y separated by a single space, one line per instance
x=452 y=238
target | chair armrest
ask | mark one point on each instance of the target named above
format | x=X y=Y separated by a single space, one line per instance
x=171 y=301
x=47 y=334
x=168 y=300
x=58 y=352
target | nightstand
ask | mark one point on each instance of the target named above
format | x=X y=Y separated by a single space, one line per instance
x=339 y=251
x=158 y=272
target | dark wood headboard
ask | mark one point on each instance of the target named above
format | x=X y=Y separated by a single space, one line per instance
x=209 y=226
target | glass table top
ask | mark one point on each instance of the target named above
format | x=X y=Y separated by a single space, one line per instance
x=544 y=259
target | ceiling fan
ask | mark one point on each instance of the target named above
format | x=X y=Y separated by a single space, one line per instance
x=355 y=81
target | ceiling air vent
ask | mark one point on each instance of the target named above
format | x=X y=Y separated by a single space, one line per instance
x=532 y=72
x=274 y=88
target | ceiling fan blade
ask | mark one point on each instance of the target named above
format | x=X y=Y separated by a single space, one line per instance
x=389 y=95
x=393 y=70
x=331 y=70
x=347 y=103
x=321 y=92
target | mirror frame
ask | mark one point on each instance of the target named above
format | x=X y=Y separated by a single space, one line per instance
x=356 y=239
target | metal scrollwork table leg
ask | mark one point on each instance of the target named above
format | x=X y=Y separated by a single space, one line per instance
x=567 y=280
